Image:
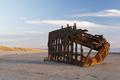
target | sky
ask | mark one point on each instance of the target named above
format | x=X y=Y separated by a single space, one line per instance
x=26 y=23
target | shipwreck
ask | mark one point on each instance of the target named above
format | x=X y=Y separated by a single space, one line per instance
x=66 y=45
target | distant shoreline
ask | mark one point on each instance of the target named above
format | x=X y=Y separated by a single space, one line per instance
x=114 y=52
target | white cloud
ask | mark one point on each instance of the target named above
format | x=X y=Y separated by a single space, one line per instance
x=80 y=24
x=33 y=32
x=33 y=22
x=70 y=22
x=22 y=18
x=104 y=13
x=63 y=22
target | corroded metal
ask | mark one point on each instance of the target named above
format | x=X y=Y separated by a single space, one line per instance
x=66 y=45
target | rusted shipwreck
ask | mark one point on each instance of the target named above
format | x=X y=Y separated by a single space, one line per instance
x=66 y=45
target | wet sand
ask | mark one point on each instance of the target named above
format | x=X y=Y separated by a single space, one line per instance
x=31 y=66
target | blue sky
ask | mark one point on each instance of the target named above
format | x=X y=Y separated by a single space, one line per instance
x=26 y=23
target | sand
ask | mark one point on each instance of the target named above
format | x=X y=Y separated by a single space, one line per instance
x=30 y=66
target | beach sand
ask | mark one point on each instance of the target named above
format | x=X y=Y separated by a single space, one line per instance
x=31 y=66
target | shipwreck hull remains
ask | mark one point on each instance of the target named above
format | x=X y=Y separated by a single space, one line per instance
x=66 y=45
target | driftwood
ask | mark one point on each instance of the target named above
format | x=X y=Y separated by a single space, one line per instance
x=66 y=45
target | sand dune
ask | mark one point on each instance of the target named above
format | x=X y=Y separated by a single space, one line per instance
x=32 y=67
x=4 y=49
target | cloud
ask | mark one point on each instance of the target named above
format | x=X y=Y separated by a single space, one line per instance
x=104 y=13
x=33 y=22
x=22 y=18
x=70 y=22
x=33 y=32
x=63 y=22
x=80 y=24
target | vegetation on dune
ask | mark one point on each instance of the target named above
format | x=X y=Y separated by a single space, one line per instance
x=6 y=48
